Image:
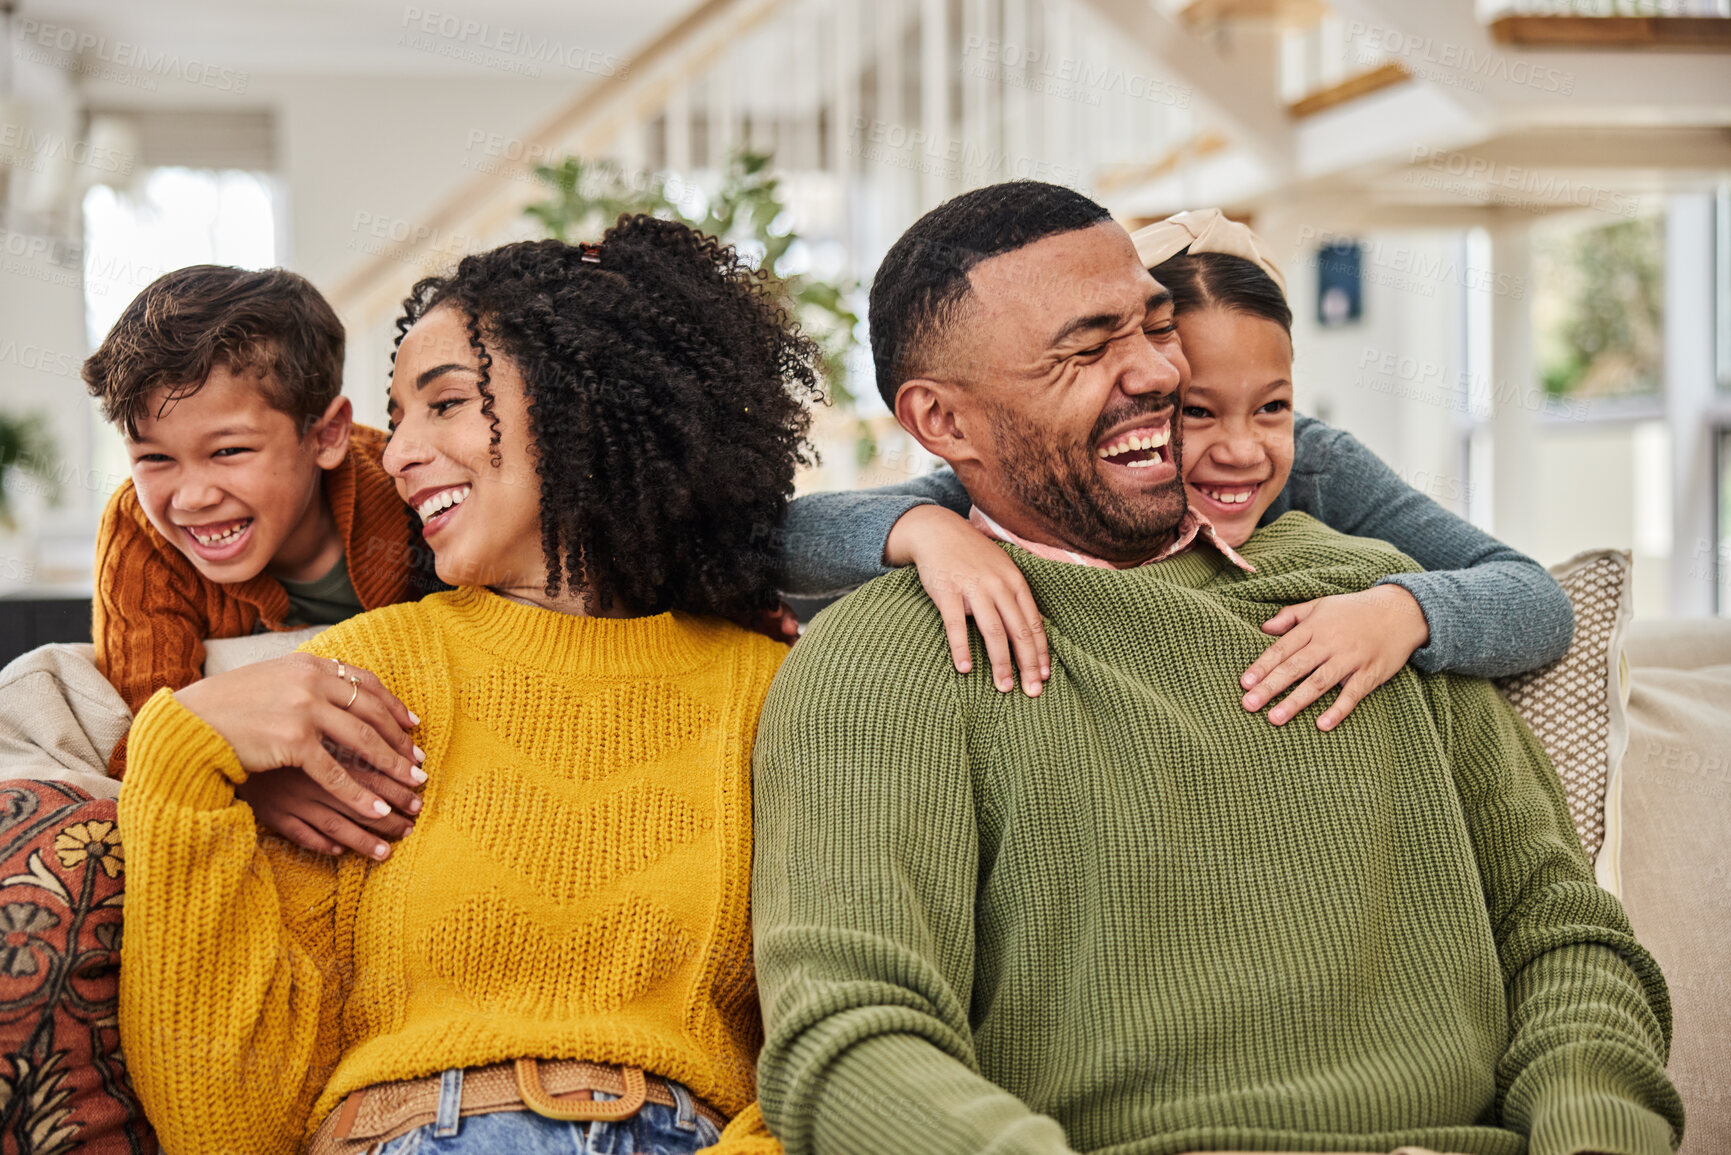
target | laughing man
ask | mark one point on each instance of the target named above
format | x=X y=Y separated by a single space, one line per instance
x=1129 y=915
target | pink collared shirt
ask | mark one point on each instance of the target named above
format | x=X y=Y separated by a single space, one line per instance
x=1193 y=527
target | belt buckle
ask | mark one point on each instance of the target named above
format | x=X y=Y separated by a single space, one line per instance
x=537 y=1099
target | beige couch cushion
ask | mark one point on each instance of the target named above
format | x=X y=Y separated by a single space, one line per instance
x=1679 y=643
x=224 y=654
x=60 y=719
x=1675 y=803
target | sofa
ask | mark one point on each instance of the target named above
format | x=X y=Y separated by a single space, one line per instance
x=1650 y=773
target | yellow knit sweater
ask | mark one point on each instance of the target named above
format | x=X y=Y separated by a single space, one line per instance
x=576 y=885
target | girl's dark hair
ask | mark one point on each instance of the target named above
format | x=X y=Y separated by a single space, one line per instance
x=1201 y=280
x=666 y=389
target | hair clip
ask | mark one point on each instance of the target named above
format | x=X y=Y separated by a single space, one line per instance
x=591 y=254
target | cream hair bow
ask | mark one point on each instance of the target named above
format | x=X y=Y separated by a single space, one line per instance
x=1203 y=231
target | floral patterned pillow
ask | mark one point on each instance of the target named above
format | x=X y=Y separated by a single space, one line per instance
x=63 y=1084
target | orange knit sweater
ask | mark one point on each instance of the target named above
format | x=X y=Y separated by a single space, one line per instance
x=576 y=886
x=153 y=610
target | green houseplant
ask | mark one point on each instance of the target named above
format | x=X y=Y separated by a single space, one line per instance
x=26 y=449
x=746 y=210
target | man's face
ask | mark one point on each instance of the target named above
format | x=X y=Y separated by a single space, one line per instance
x=1071 y=367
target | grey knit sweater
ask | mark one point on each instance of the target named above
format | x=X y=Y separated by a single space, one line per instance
x=1492 y=610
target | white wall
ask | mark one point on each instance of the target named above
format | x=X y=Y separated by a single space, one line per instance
x=1390 y=377
x=42 y=340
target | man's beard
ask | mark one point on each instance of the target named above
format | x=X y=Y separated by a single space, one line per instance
x=1061 y=485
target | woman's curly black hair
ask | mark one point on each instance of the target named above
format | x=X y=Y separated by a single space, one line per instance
x=666 y=396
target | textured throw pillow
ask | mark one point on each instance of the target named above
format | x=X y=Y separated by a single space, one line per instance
x=63 y=1084
x=1576 y=704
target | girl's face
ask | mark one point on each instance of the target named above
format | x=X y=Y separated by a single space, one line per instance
x=1237 y=417
x=482 y=521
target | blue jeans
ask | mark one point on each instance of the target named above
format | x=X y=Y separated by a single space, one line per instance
x=654 y=1130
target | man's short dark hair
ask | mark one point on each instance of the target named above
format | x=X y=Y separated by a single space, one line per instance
x=270 y=324
x=924 y=276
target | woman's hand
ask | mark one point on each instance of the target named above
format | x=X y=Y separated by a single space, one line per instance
x=1359 y=639
x=282 y=712
x=965 y=574
x=779 y=625
x=289 y=802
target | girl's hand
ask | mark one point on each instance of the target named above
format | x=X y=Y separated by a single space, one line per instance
x=282 y=712
x=965 y=574
x=1360 y=639
x=292 y=804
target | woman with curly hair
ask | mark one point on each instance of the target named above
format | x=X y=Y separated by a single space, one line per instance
x=599 y=442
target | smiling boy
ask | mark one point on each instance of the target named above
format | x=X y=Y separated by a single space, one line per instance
x=255 y=501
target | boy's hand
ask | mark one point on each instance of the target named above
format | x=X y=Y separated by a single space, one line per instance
x=282 y=713
x=965 y=574
x=292 y=804
x=1361 y=639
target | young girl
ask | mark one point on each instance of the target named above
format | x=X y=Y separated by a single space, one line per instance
x=1483 y=608
x=597 y=441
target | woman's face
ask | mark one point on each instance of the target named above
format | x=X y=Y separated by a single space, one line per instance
x=1237 y=417
x=482 y=521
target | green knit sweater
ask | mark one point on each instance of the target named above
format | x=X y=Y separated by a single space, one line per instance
x=1126 y=915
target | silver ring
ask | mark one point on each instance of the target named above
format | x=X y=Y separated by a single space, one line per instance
x=354 y=693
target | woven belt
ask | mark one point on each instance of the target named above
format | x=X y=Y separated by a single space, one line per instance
x=557 y=1088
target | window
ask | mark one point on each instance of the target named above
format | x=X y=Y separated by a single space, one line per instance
x=177 y=217
x=1598 y=307
x=170 y=218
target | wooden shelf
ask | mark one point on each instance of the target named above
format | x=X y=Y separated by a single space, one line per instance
x=1616 y=33
x=1350 y=89
x=1286 y=13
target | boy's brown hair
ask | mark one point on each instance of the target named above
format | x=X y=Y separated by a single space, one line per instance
x=271 y=324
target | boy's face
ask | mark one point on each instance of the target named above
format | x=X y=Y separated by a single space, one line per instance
x=234 y=484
